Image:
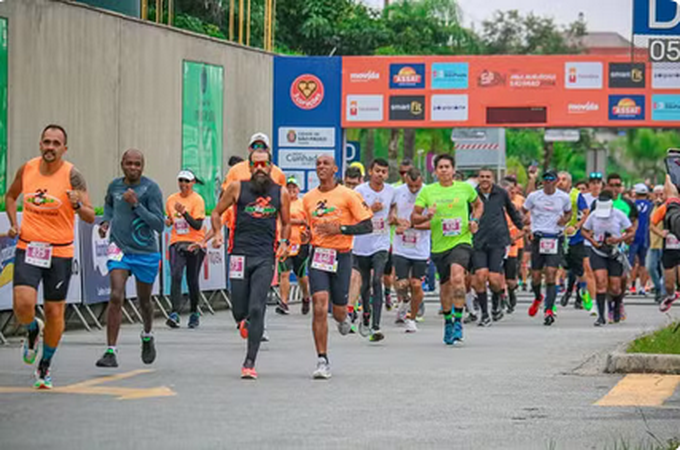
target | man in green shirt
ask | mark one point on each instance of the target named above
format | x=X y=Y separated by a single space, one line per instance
x=446 y=205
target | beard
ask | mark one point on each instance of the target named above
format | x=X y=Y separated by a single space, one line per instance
x=260 y=183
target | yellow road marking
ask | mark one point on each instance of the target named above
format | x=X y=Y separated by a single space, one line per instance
x=641 y=390
x=90 y=387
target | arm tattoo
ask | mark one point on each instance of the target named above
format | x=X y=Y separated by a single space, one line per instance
x=77 y=180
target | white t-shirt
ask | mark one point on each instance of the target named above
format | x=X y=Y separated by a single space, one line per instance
x=614 y=224
x=370 y=244
x=589 y=198
x=413 y=244
x=546 y=210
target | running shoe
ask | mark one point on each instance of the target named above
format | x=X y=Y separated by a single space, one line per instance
x=388 y=301
x=108 y=359
x=305 y=306
x=457 y=333
x=485 y=321
x=43 y=380
x=632 y=290
x=194 y=320
x=658 y=298
x=31 y=343
x=365 y=327
x=402 y=312
x=353 y=329
x=448 y=333
x=345 y=326
x=410 y=326
x=549 y=318
x=323 y=370
x=248 y=373
x=643 y=293
x=600 y=322
x=376 y=336
x=470 y=318
x=509 y=309
x=667 y=302
x=265 y=336
x=497 y=315
x=564 y=301
x=282 y=308
x=148 y=350
x=610 y=316
x=173 y=320
x=533 y=309
x=243 y=329
x=622 y=313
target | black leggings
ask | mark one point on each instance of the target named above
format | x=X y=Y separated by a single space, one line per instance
x=377 y=262
x=249 y=298
x=180 y=258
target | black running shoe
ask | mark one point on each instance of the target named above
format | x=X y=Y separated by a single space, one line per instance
x=108 y=360
x=565 y=299
x=282 y=308
x=194 y=320
x=305 y=306
x=497 y=315
x=485 y=321
x=600 y=322
x=148 y=350
x=549 y=319
x=470 y=318
x=173 y=320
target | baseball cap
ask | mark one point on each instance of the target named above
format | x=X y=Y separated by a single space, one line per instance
x=603 y=208
x=292 y=180
x=549 y=175
x=641 y=188
x=259 y=137
x=186 y=175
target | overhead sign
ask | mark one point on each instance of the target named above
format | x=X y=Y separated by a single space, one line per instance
x=479 y=147
x=352 y=152
x=627 y=75
x=656 y=17
x=564 y=135
x=664 y=50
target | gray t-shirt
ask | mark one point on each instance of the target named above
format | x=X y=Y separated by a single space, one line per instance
x=135 y=231
x=546 y=210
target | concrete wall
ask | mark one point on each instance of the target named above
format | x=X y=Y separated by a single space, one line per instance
x=115 y=82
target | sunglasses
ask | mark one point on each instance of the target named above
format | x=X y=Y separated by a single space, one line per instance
x=184 y=180
x=403 y=172
x=258 y=146
x=595 y=176
x=260 y=164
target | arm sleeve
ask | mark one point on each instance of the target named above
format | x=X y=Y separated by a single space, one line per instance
x=512 y=212
x=359 y=209
x=196 y=224
x=363 y=227
x=108 y=205
x=152 y=214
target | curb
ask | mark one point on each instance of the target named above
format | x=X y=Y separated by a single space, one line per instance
x=620 y=362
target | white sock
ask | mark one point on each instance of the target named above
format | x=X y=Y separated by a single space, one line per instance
x=112 y=348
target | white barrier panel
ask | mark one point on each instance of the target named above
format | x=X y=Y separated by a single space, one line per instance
x=213 y=273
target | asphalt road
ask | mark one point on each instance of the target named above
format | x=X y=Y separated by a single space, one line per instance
x=516 y=384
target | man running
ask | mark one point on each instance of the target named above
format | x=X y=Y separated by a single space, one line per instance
x=241 y=171
x=298 y=251
x=352 y=179
x=371 y=251
x=640 y=246
x=657 y=237
x=259 y=203
x=445 y=205
x=490 y=244
x=411 y=248
x=336 y=214
x=54 y=192
x=185 y=214
x=550 y=210
x=133 y=212
x=514 y=254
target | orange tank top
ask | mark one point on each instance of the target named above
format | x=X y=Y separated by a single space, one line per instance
x=48 y=215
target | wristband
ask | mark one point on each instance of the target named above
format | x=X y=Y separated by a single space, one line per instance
x=284 y=241
x=474 y=219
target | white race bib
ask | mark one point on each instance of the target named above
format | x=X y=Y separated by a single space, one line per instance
x=237 y=265
x=547 y=246
x=672 y=242
x=39 y=254
x=409 y=239
x=113 y=253
x=181 y=226
x=379 y=225
x=451 y=227
x=325 y=259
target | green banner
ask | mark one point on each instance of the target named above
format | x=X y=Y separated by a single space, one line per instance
x=202 y=127
x=4 y=64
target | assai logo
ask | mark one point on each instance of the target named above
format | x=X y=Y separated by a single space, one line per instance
x=666 y=108
x=449 y=76
x=407 y=76
x=626 y=107
x=364 y=77
x=407 y=107
x=583 y=108
x=307 y=91
x=627 y=75
x=583 y=75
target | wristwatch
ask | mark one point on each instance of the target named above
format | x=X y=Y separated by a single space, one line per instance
x=78 y=206
x=284 y=241
x=474 y=219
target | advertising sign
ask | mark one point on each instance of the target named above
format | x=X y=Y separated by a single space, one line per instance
x=656 y=17
x=407 y=107
x=627 y=75
x=626 y=107
x=449 y=76
x=407 y=76
x=4 y=93
x=666 y=108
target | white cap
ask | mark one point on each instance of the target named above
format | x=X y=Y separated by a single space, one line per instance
x=259 y=137
x=604 y=209
x=186 y=175
x=641 y=188
x=658 y=188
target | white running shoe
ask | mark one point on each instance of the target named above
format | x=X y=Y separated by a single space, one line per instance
x=410 y=326
x=345 y=326
x=402 y=312
x=323 y=370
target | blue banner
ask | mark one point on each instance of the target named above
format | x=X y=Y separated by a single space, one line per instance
x=307 y=115
x=656 y=17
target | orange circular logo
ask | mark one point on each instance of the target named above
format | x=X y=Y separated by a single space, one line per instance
x=307 y=91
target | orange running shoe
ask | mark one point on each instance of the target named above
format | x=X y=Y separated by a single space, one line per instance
x=533 y=309
x=243 y=329
x=248 y=374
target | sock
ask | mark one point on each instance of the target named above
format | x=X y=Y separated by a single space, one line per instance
x=469 y=302
x=458 y=314
x=495 y=301
x=601 y=300
x=324 y=356
x=483 y=303
x=146 y=335
x=617 y=307
x=48 y=353
x=550 y=295
x=112 y=349
x=512 y=296
x=388 y=291
x=448 y=317
x=32 y=327
x=537 y=291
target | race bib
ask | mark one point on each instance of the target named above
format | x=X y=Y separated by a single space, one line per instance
x=237 y=266
x=672 y=242
x=451 y=227
x=379 y=225
x=409 y=239
x=113 y=253
x=325 y=259
x=181 y=226
x=294 y=249
x=548 y=246
x=39 y=254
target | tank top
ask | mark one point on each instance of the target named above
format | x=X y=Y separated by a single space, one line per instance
x=48 y=215
x=254 y=230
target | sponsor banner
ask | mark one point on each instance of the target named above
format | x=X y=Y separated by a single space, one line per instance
x=627 y=75
x=4 y=68
x=449 y=108
x=626 y=107
x=364 y=108
x=449 y=76
x=307 y=91
x=407 y=76
x=353 y=152
x=532 y=80
x=666 y=75
x=301 y=159
x=583 y=75
x=306 y=137
x=666 y=108
x=407 y=107
x=214 y=270
x=370 y=76
x=656 y=17
x=491 y=78
x=565 y=135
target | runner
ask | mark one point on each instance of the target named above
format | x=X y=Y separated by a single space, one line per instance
x=657 y=236
x=259 y=202
x=185 y=214
x=335 y=214
x=54 y=191
x=603 y=229
x=640 y=246
x=550 y=210
x=595 y=185
x=298 y=253
x=371 y=251
x=446 y=205
x=241 y=170
x=133 y=212
x=576 y=250
x=353 y=178
x=516 y=249
x=411 y=249
x=670 y=258
x=490 y=244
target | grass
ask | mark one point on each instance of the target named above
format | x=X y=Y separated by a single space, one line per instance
x=665 y=341
x=672 y=444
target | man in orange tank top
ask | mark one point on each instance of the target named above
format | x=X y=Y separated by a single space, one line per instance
x=54 y=192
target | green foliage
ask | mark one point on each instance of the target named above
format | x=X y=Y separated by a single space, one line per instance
x=525 y=144
x=665 y=340
x=642 y=151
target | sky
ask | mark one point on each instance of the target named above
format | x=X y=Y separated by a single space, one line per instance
x=601 y=15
